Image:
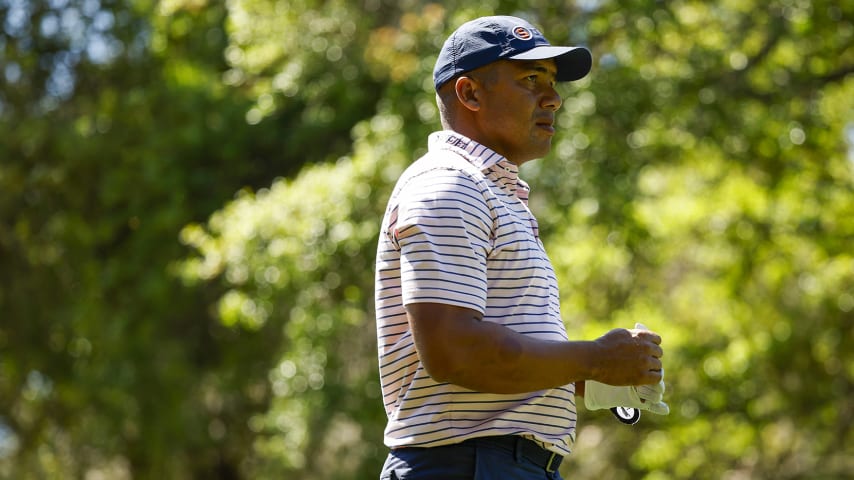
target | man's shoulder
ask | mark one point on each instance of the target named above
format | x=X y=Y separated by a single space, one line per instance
x=438 y=173
x=441 y=162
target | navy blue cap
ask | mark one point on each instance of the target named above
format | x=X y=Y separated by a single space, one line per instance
x=487 y=39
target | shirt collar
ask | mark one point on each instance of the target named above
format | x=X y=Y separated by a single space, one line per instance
x=487 y=160
x=477 y=154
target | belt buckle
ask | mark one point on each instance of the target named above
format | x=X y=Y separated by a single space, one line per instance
x=549 y=463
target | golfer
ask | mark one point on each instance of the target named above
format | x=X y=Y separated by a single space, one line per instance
x=479 y=379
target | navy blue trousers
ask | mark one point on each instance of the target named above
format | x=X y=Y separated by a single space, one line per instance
x=470 y=460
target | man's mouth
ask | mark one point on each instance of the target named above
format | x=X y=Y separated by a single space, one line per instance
x=547 y=125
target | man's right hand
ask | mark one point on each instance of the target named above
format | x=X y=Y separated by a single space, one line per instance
x=629 y=357
x=633 y=375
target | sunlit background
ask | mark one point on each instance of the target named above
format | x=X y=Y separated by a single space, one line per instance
x=192 y=190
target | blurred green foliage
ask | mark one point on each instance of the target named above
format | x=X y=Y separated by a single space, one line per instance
x=192 y=192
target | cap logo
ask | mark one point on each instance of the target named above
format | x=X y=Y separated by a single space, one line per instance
x=522 y=33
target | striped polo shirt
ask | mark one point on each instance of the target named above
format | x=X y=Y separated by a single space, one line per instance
x=458 y=231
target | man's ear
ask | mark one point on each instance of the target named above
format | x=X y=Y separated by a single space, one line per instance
x=468 y=93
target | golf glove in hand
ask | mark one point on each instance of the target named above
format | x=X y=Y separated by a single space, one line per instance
x=645 y=397
x=651 y=396
x=600 y=395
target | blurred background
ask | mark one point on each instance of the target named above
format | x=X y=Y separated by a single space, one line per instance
x=191 y=190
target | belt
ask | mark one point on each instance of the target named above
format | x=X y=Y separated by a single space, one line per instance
x=523 y=448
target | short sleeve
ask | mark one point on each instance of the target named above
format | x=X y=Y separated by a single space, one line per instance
x=443 y=231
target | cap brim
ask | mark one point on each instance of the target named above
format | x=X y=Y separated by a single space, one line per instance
x=573 y=63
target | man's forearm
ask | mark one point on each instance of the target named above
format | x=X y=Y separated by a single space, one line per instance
x=459 y=348
x=456 y=345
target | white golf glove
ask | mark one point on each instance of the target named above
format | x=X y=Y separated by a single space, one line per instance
x=599 y=395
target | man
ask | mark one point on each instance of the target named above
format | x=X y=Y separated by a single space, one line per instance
x=478 y=376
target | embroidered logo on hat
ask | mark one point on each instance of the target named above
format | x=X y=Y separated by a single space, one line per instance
x=522 y=33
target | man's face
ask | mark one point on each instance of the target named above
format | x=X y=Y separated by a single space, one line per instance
x=517 y=108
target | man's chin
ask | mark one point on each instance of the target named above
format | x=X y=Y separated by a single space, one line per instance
x=543 y=149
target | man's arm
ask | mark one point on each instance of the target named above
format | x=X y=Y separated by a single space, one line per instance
x=456 y=345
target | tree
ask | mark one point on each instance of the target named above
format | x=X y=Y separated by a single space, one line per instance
x=108 y=363
x=701 y=183
x=664 y=202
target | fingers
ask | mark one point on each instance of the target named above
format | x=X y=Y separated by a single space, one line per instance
x=648 y=336
x=644 y=333
x=652 y=373
x=653 y=392
x=630 y=357
x=659 y=408
x=653 y=348
x=649 y=377
x=655 y=363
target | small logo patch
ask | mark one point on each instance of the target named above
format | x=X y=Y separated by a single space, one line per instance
x=627 y=415
x=522 y=33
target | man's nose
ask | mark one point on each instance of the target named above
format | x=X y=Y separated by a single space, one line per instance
x=552 y=99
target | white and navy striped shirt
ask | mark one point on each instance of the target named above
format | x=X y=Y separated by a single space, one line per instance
x=457 y=230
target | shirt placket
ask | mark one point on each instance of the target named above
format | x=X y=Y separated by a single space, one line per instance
x=507 y=179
